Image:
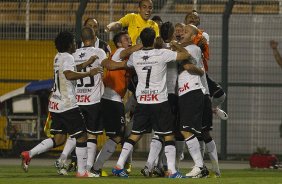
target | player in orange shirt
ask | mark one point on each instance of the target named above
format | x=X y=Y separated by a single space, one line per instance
x=113 y=116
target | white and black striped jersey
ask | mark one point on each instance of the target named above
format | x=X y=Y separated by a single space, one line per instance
x=151 y=69
x=63 y=92
x=89 y=90
x=189 y=82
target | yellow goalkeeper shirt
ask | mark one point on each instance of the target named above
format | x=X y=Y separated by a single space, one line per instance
x=136 y=24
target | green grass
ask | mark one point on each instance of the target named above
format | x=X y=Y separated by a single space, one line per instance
x=47 y=174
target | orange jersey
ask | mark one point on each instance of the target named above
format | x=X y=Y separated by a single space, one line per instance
x=204 y=48
x=116 y=80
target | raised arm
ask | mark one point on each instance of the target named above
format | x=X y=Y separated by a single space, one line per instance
x=113 y=65
x=127 y=52
x=113 y=26
x=277 y=56
x=91 y=60
x=72 y=75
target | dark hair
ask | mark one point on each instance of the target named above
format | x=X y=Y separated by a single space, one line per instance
x=87 y=33
x=147 y=37
x=166 y=31
x=117 y=37
x=156 y=18
x=63 y=41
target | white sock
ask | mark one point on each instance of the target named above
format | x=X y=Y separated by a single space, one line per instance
x=194 y=150
x=170 y=153
x=106 y=152
x=126 y=149
x=42 y=147
x=202 y=148
x=91 y=152
x=212 y=152
x=69 y=147
x=155 y=149
x=81 y=153
x=129 y=159
x=179 y=145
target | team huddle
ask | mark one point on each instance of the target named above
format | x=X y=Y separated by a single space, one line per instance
x=165 y=68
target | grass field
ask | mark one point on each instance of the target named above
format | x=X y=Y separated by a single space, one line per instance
x=47 y=174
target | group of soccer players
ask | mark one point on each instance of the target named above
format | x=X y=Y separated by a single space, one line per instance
x=174 y=96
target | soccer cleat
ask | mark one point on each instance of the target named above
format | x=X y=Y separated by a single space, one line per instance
x=158 y=172
x=128 y=168
x=97 y=173
x=197 y=172
x=146 y=172
x=61 y=167
x=86 y=174
x=119 y=172
x=25 y=160
x=220 y=113
x=176 y=175
x=72 y=167
x=205 y=172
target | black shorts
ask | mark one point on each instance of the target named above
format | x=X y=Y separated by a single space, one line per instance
x=113 y=117
x=191 y=107
x=92 y=116
x=153 y=116
x=207 y=114
x=71 y=122
x=213 y=86
x=173 y=102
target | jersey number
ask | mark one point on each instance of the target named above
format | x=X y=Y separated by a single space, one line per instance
x=91 y=84
x=149 y=68
x=56 y=81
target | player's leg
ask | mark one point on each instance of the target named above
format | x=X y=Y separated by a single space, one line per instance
x=191 y=111
x=59 y=132
x=217 y=97
x=113 y=120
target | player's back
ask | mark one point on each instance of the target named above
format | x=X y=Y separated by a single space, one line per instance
x=89 y=89
x=151 y=69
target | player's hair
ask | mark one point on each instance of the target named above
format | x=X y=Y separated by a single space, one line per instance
x=156 y=18
x=147 y=37
x=63 y=41
x=166 y=31
x=88 y=19
x=87 y=33
x=179 y=25
x=117 y=37
x=141 y=1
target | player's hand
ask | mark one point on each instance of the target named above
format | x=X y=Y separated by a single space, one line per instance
x=273 y=44
x=93 y=58
x=109 y=26
x=173 y=44
x=96 y=71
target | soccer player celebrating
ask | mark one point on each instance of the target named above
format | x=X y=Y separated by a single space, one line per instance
x=112 y=100
x=136 y=22
x=152 y=110
x=65 y=113
x=202 y=40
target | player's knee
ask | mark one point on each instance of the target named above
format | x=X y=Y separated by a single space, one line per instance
x=117 y=139
x=59 y=139
x=206 y=137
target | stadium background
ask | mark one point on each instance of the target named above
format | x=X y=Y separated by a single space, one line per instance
x=254 y=84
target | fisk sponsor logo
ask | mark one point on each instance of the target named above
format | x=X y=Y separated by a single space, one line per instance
x=53 y=105
x=82 y=98
x=149 y=97
x=184 y=88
